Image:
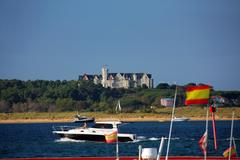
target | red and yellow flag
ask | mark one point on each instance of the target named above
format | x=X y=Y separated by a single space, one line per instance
x=230 y=151
x=197 y=94
x=112 y=137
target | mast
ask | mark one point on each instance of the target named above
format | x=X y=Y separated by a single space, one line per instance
x=205 y=155
x=234 y=144
x=117 y=148
x=231 y=137
x=160 y=148
x=171 y=124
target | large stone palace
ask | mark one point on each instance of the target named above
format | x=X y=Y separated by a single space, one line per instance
x=120 y=80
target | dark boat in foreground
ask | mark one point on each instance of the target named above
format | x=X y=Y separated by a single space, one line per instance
x=121 y=158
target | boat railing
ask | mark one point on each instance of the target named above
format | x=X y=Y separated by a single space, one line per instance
x=63 y=128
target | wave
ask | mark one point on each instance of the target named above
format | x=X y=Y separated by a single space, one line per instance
x=154 y=139
x=143 y=138
x=69 y=140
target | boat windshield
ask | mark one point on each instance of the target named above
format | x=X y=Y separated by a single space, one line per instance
x=106 y=126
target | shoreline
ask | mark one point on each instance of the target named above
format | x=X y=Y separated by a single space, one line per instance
x=18 y=121
x=161 y=114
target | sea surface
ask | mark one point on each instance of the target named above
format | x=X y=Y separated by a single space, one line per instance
x=37 y=140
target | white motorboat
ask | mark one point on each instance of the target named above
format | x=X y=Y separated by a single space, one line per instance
x=95 y=133
x=180 y=119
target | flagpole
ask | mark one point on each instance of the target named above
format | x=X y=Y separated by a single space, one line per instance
x=117 y=150
x=171 y=124
x=213 y=110
x=117 y=147
x=139 y=152
x=234 y=144
x=231 y=136
x=160 y=148
x=205 y=154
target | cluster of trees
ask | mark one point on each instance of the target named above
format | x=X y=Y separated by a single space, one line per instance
x=43 y=96
x=57 y=96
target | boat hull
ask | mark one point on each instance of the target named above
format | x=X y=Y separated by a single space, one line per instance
x=180 y=119
x=95 y=133
x=95 y=138
x=122 y=158
x=84 y=120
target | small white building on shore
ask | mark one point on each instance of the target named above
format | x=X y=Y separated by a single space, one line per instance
x=167 y=102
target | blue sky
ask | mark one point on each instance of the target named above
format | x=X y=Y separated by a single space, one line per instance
x=176 y=41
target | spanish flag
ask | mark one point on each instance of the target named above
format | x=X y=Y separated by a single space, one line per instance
x=197 y=94
x=111 y=137
x=230 y=151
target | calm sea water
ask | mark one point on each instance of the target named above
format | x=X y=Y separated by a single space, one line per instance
x=37 y=140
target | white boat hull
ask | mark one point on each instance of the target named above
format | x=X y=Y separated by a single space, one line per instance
x=180 y=119
x=93 y=134
x=94 y=137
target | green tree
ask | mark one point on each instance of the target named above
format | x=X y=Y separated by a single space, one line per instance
x=4 y=107
x=65 y=104
x=163 y=86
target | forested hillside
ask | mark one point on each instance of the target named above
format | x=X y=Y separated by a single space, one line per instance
x=57 y=96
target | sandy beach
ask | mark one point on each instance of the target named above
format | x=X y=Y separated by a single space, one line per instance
x=133 y=119
x=163 y=114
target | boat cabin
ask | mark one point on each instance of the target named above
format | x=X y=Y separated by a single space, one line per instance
x=106 y=125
